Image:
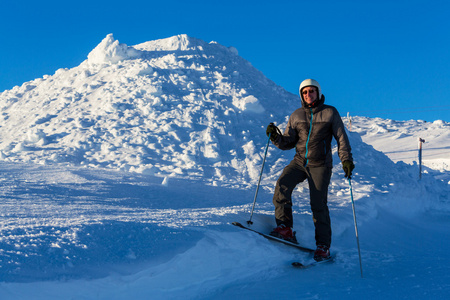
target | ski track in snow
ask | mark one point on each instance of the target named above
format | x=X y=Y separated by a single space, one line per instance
x=120 y=179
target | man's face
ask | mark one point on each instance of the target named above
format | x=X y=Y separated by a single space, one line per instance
x=309 y=94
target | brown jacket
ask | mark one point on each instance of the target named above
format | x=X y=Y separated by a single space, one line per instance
x=310 y=130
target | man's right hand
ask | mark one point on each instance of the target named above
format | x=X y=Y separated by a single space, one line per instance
x=273 y=132
x=348 y=167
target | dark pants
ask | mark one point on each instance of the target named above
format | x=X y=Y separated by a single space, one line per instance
x=318 y=180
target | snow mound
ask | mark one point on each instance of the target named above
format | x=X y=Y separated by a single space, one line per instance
x=171 y=107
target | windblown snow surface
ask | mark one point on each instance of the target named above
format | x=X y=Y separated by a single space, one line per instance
x=120 y=178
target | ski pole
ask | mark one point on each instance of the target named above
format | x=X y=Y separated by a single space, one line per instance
x=356 y=226
x=259 y=181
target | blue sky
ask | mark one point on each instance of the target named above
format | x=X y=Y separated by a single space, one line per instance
x=387 y=59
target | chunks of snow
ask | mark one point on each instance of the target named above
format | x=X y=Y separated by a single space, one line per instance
x=38 y=137
x=110 y=51
x=249 y=103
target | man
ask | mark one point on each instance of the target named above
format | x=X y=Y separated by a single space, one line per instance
x=310 y=130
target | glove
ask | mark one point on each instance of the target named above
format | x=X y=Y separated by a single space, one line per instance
x=273 y=131
x=348 y=167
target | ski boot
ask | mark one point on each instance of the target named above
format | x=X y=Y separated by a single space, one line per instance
x=285 y=233
x=322 y=253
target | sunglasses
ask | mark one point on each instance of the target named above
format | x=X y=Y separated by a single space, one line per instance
x=304 y=92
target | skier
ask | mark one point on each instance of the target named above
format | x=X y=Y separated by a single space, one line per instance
x=310 y=129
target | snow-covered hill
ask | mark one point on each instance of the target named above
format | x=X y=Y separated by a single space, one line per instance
x=120 y=178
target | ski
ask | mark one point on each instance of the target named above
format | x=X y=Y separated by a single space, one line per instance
x=296 y=264
x=300 y=265
x=268 y=236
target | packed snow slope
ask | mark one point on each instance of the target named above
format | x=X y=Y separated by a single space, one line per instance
x=404 y=137
x=120 y=179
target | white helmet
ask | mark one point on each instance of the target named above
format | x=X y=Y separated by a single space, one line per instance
x=310 y=82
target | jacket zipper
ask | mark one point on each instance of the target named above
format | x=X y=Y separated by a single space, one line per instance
x=309 y=135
